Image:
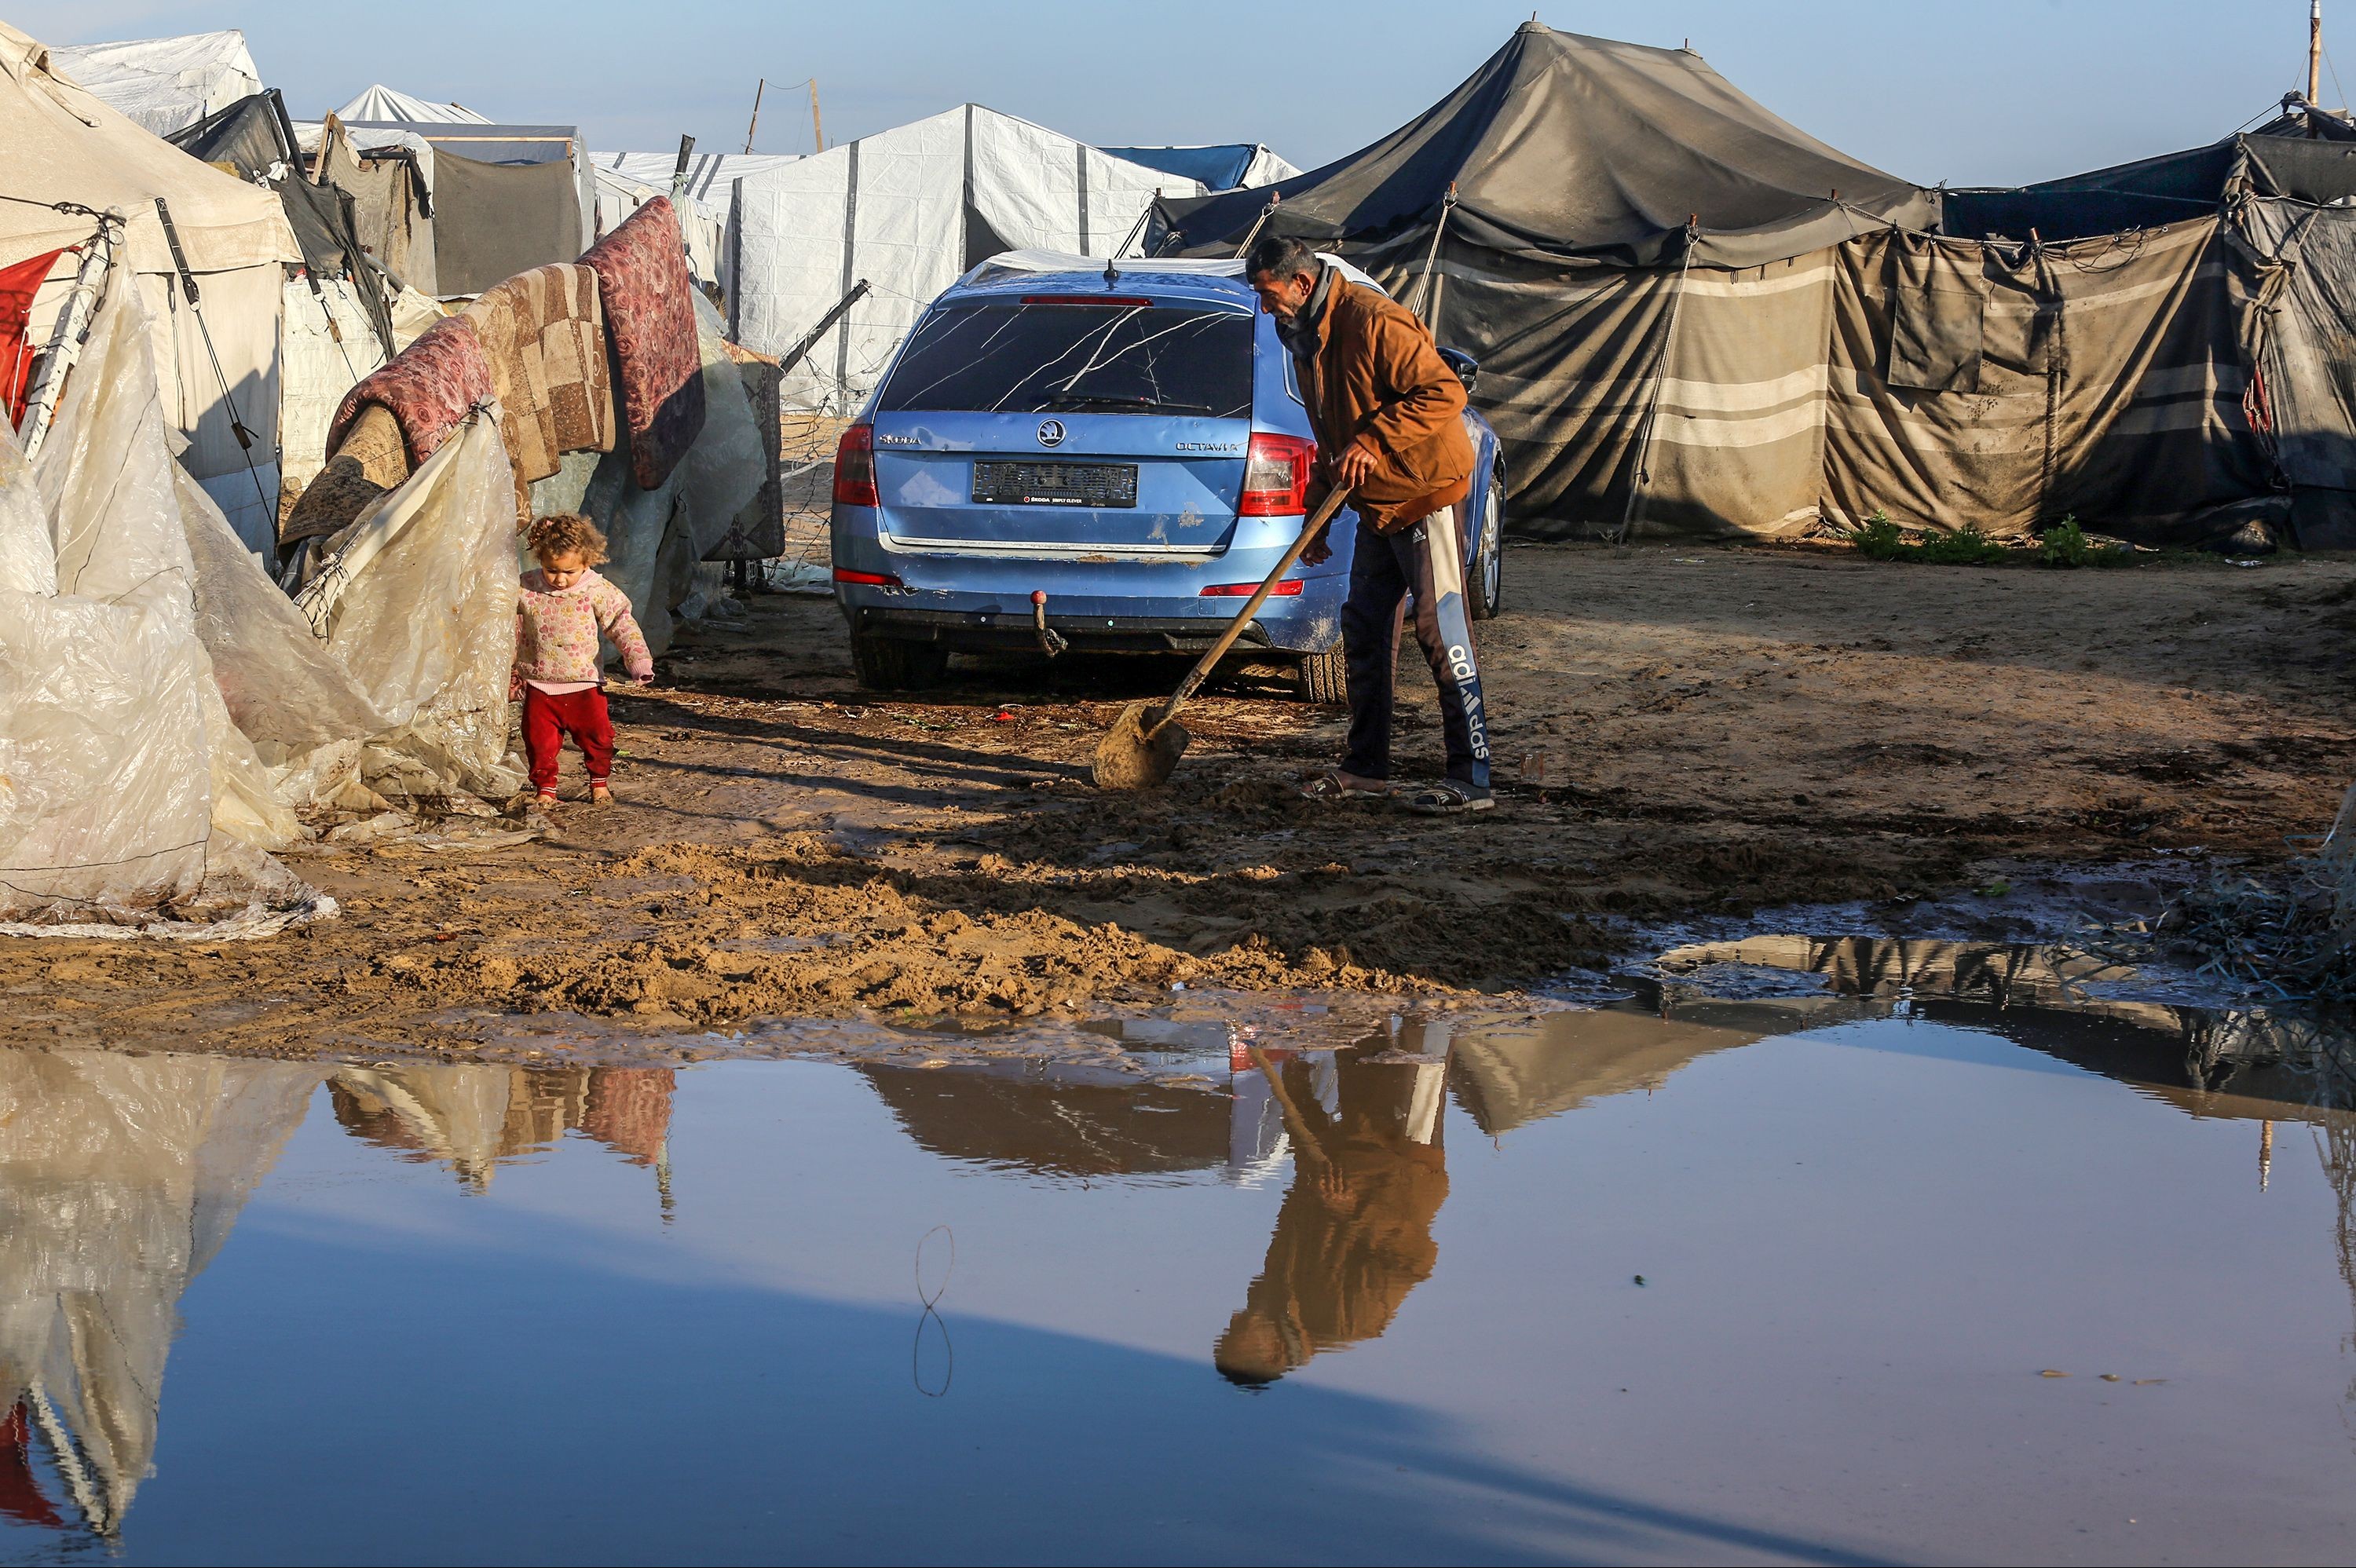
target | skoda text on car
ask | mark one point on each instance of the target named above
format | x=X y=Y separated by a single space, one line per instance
x=1129 y=443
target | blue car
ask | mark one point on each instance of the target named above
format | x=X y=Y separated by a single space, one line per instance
x=1065 y=454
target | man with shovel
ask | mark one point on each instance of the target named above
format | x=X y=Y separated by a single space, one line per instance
x=1388 y=414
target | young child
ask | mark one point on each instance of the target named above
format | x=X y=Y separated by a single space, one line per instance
x=564 y=608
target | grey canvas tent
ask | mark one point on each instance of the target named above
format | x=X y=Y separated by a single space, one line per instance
x=1637 y=253
x=1692 y=318
x=2274 y=301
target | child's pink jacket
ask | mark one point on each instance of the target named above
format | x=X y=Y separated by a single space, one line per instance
x=557 y=632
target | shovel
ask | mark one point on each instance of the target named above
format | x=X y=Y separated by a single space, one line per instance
x=1138 y=753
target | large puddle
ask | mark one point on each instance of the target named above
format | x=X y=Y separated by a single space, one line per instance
x=1915 y=1267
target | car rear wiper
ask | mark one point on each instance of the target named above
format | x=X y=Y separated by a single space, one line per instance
x=1066 y=402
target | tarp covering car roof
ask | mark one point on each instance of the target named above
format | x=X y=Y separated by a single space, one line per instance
x=1570 y=146
x=1233 y=166
x=163 y=84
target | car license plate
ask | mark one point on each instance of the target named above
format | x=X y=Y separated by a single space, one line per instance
x=1055 y=484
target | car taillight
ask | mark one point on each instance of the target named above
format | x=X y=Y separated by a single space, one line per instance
x=1288 y=589
x=1276 y=476
x=871 y=579
x=855 y=467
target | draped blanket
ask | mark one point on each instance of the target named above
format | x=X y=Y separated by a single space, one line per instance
x=427 y=389
x=642 y=271
x=544 y=338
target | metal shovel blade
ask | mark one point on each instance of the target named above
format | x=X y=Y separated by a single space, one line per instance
x=1129 y=758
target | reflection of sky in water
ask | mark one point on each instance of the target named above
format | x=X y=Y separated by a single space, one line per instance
x=485 y=1313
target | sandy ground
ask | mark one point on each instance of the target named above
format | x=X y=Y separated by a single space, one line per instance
x=1680 y=730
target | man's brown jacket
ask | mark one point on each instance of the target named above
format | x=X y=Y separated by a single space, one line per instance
x=1377 y=380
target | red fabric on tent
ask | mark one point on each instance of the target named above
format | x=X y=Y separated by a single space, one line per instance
x=18 y=285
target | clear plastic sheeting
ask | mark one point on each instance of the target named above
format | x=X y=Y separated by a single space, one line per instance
x=418 y=603
x=127 y=794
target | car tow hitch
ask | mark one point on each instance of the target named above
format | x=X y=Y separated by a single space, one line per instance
x=1049 y=638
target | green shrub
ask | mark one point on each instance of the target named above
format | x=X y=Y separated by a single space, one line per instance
x=1878 y=539
x=1966 y=547
x=2065 y=544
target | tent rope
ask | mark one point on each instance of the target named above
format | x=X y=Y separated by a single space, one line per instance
x=1633 y=514
x=1430 y=265
x=237 y=426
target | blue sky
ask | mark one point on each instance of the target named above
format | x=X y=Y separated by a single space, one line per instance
x=1996 y=91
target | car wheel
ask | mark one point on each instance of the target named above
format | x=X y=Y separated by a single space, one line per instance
x=891 y=664
x=1325 y=677
x=1487 y=577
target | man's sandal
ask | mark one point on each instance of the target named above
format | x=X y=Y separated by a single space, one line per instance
x=1333 y=784
x=1446 y=798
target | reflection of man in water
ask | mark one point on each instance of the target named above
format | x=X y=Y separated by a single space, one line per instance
x=1353 y=1235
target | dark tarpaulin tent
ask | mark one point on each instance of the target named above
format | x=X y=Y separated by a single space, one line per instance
x=253 y=137
x=1692 y=318
x=2274 y=299
x=506 y=198
x=494 y=220
x=1635 y=252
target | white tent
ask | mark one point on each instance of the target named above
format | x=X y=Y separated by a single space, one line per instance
x=60 y=144
x=619 y=194
x=381 y=102
x=712 y=180
x=710 y=176
x=909 y=210
x=164 y=84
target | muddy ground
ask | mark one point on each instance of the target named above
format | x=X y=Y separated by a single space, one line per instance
x=1680 y=730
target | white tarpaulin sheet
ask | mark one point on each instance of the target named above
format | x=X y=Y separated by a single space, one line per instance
x=909 y=210
x=320 y=363
x=165 y=84
x=381 y=102
x=619 y=195
x=60 y=144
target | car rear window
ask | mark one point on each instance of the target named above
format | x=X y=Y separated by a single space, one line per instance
x=1093 y=357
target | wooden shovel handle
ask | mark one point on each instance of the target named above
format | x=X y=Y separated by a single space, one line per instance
x=1203 y=667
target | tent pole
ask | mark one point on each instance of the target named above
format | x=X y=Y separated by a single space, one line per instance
x=237 y=426
x=756 y=124
x=1643 y=478
x=1253 y=232
x=818 y=126
x=2313 y=56
x=1431 y=262
x=71 y=332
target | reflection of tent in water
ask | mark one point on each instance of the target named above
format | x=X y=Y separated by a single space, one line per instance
x=471 y=1118
x=119 y=1176
x=1056 y=1128
x=1507 y=1075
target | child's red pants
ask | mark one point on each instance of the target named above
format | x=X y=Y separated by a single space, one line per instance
x=548 y=719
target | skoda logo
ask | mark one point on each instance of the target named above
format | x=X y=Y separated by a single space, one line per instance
x=1052 y=433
